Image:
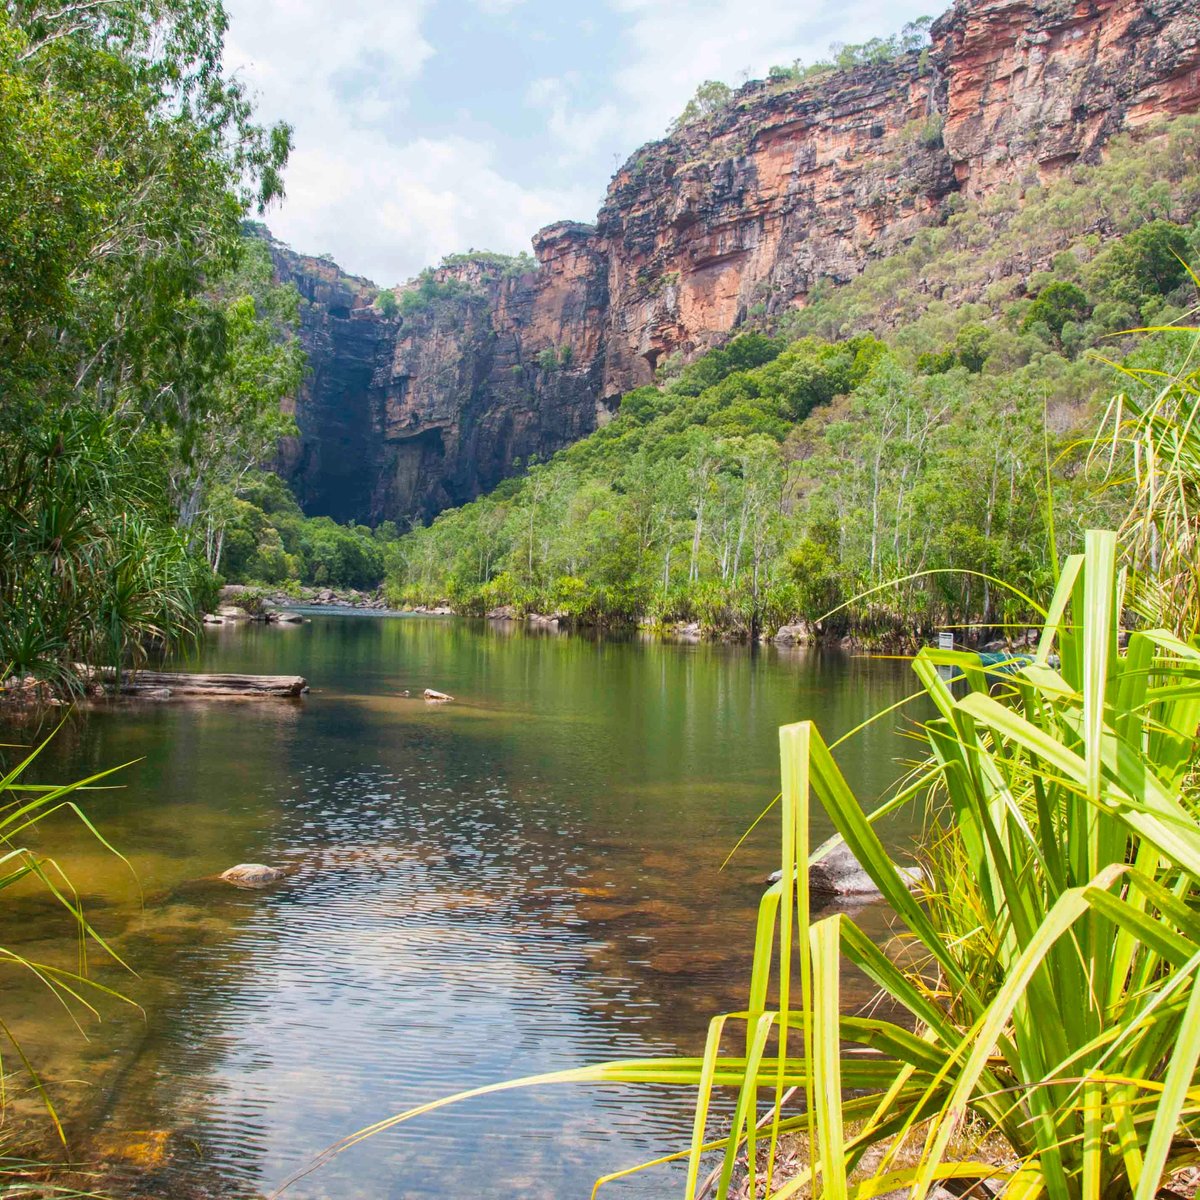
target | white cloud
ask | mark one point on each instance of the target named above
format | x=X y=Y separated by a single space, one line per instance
x=387 y=210
x=384 y=203
x=577 y=131
x=674 y=45
x=368 y=184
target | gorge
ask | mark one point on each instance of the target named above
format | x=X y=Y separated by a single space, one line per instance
x=733 y=219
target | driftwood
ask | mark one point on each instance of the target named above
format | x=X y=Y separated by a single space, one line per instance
x=171 y=685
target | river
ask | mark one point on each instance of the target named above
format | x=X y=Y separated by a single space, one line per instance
x=526 y=879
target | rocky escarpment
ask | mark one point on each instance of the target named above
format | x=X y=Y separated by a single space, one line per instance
x=482 y=367
x=729 y=219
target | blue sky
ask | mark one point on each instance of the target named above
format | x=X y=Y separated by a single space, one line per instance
x=429 y=126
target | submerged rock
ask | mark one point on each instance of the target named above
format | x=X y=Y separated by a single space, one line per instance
x=252 y=875
x=839 y=873
x=440 y=697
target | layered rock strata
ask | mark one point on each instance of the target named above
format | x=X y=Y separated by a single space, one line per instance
x=737 y=217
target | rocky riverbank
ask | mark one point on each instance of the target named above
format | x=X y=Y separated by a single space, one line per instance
x=265 y=603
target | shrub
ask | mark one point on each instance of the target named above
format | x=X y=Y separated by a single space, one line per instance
x=1055 y=305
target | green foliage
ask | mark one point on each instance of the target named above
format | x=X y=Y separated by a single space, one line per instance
x=711 y=98
x=1150 y=261
x=144 y=350
x=27 y=812
x=1044 y=996
x=93 y=569
x=1150 y=448
x=913 y=39
x=269 y=541
x=764 y=481
x=127 y=162
x=930 y=135
x=387 y=304
x=1056 y=305
x=509 y=266
x=429 y=293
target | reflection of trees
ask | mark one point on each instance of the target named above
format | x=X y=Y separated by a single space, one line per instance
x=549 y=844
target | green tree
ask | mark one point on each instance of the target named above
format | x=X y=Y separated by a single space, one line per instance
x=1056 y=304
x=710 y=98
x=1150 y=261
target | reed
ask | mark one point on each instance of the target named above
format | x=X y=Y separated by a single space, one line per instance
x=24 y=806
x=1150 y=445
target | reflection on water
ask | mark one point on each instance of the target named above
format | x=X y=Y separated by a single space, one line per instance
x=521 y=881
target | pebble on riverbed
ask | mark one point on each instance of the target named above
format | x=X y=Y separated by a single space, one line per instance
x=252 y=875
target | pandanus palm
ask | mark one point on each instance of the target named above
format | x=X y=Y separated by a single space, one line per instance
x=91 y=569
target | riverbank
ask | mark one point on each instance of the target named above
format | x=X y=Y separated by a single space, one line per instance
x=275 y=605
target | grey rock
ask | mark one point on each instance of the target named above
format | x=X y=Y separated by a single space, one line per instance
x=439 y=697
x=252 y=875
x=838 y=873
x=792 y=635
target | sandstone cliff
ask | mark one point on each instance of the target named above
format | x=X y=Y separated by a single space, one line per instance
x=725 y=220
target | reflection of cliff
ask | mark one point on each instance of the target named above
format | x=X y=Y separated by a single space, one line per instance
x=725 y=220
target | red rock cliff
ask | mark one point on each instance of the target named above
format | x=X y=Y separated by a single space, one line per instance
x=724 y=220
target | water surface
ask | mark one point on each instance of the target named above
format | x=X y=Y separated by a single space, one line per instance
x=524 y=880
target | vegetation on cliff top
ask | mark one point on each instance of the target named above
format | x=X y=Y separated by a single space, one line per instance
x=713 y=97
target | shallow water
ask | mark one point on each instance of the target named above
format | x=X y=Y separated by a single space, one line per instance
x=524 y=880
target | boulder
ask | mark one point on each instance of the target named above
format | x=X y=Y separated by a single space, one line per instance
x=439 y=697
x=287 y=618
x=252 y=875
x=233 y=612
x=505 y=612
x=792 y=635
x=213 y=619
x=840 y=874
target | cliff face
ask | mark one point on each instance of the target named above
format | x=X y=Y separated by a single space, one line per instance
x=725 y=220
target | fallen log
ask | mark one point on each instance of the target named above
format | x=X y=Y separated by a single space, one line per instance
x=175 y=685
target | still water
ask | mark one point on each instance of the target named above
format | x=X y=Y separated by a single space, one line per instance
x=524 y=880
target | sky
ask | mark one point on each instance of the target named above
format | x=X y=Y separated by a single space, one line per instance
x=427 y=127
